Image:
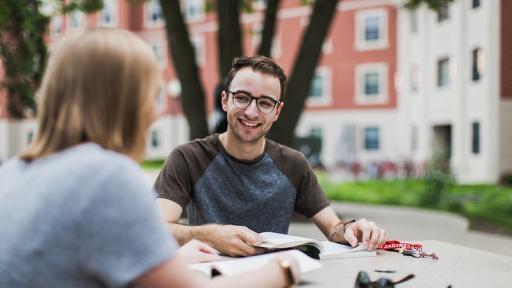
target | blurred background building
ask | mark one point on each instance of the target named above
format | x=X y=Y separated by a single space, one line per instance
x=393 y=86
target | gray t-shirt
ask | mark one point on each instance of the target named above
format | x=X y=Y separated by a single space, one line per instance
x=261 y=194
x=84 y=217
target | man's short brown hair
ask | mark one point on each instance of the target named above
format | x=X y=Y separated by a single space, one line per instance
x=257 y=63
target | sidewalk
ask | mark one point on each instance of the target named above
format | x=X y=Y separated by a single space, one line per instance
x=405 y=223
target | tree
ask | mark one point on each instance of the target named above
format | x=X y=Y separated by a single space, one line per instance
x=303 y=71
x=23 y=49
x=182 y=53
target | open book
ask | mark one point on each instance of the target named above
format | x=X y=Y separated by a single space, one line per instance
x=231 y=266
x=314 y=248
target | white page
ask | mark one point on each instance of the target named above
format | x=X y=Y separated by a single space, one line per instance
x=277 y=240
x=240 y=265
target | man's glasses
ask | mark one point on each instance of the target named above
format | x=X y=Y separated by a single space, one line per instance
x=243 y=100
x=363 y=281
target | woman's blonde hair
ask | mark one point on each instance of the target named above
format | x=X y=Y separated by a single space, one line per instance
x=99 y=86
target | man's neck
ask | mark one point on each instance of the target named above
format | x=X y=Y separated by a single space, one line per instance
x=242 y=150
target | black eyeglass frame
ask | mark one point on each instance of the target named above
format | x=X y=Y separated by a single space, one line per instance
x=253 y=98
x=363 y=281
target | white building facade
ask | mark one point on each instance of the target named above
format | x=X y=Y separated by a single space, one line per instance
x=449 y=88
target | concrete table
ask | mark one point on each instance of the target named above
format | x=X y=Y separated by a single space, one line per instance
x=457 y=266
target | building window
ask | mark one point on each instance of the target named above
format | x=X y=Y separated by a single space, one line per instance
x=259 y=4
x=475 y=138
x=371 y=138
x=415 y=78
x=256 y=32
x=443 y=72
x=56 y=27
x=199 y=49
x=478 y=63
x=371 y=83
x=108 y=15
x=475 y=4
x=320 y=89
x=154 y=14
x=414 y=138
x=158 y=49
x=372 y=29
x=76 y=19
x=443 y=13
x=30 y=136
x=194 y=9
x=155 y=139
x=413 y=14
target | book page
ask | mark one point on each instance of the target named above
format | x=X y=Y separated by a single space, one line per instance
x=240 y=265
x=333 y=250
x=273 y=240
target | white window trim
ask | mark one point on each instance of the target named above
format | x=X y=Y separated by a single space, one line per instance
x=56 y=20
x=161 y=101
x=276 y=49
x=383 y=97
x=259 y=5
x=452 y=72
x=363 y=142
x=163 y=61
x=326 y=98
x=115 y=15
x=200 y=53
x=256 y=31
x=327 y=47
x=148 y=23
x=196 y=18
x=361 y=44
x=82 y=20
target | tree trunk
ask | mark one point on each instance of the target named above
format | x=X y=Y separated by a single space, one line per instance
x=229 y=36
x=183 y=56
x=303 y=71
x=269 y=27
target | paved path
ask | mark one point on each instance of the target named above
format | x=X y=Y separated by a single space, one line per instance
x=405 y=223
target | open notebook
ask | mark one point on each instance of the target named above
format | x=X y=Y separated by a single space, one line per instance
x=314 y=248
x=231 y=266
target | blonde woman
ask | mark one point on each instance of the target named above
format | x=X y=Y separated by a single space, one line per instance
x=75 y=208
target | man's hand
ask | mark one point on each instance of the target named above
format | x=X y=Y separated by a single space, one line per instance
x=233 y=240
x=196 y=251
x=363 y=231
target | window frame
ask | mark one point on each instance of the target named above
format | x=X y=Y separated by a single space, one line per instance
x=477 y=64
x=366 y=144
x=367 y=99
x=190 y=18
x=476 y=143
x=114 y=16
x=439 y=70
x=361 y=43
x=326 y=98
x=148 y=20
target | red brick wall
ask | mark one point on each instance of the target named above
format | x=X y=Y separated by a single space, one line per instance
x=3 y=94
x=506 y=48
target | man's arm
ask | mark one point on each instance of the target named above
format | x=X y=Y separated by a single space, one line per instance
x=359 y=231
x=228 y=239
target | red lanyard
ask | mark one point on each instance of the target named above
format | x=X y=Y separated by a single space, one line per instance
x=409 y=249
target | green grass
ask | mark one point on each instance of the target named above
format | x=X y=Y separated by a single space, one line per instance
x=153 y=164
x=490 y=204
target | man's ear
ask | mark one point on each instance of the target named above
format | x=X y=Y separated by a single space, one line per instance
x=278 y=111
x=224 y=101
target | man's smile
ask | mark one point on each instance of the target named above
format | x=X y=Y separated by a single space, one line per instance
x=250 y=124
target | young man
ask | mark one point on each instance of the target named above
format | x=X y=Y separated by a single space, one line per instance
x=238 y=183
